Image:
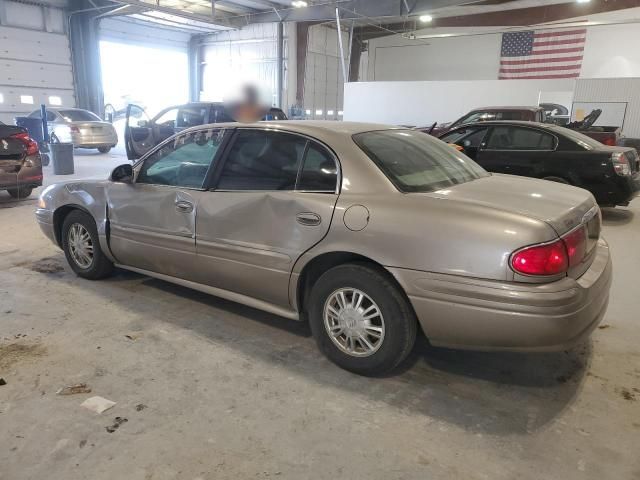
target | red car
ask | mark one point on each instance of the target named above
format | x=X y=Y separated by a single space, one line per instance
x=20 y=162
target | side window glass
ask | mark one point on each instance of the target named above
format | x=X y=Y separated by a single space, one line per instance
x=262 y=160
x=51 y=117
x=35 y=114
x=220 y=115
x=168 y=118
x=509 y=138
x=319 y=172
x=184 y=161
x=191 y=117
x=460 y=137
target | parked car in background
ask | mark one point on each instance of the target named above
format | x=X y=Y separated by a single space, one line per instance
x=143 y=133
x=607 y=135
x=20 y=164
x=81 y=127
x=551 y=152
x=485 y=114
x=365 y=230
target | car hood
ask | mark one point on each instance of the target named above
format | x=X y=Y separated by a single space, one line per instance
x=561 y=206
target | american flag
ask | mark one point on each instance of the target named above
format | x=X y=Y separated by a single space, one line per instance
x=542 y=54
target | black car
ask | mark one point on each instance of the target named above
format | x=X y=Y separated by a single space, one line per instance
x=142 y=134
x=20 y=162
x=552 y=153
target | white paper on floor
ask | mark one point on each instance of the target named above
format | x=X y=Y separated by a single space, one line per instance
x=97 y=404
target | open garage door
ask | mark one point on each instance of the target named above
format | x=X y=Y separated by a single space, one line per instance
x=142 y=64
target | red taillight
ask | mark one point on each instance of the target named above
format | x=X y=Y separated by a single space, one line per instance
x=548 y=259
x=74 y=129
x=30 y=144
x=620 y=163
x=552 y=258
x=610 y=141
x=576 y=243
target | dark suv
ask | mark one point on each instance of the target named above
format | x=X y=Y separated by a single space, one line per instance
x=144 y=134
x=20 y=163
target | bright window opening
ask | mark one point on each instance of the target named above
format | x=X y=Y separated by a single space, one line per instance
x=26 y=99
x=1 y=98
x=329 y=112
x=308 y=112
x=340 y=112
x=318 y=112
x=56 y=101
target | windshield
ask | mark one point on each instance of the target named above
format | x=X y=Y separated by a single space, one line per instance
x=581 y=139
x=417 y=162
x=79 y=116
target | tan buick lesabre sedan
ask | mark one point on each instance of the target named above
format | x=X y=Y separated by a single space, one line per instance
x=365 y=230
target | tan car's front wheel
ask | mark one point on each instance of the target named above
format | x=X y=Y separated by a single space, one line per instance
x=81 y=246
x=361 y=320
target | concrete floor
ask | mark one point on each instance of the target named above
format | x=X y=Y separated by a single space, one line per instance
x=234 y=393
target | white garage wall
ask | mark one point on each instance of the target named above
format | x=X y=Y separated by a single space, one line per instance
x=35 y=58
x=610 y=51
x=422 y=103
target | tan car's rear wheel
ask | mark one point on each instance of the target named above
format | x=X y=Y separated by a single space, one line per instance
x=361 y=320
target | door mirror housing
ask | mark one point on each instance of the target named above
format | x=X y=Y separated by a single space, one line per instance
x=143 y=123
x=122 y=174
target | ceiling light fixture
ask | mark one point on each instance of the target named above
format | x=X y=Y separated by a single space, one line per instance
x=426 y=18
x=583 y=1
x=299 y=3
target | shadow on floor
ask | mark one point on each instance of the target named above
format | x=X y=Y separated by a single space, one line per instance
x=485 y=393
x=616 y=216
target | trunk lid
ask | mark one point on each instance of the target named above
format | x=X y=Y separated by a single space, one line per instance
x=92 y=128
x=562 y=206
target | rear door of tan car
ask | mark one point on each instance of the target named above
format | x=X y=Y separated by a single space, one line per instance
x=152 y=221
x=274 y=197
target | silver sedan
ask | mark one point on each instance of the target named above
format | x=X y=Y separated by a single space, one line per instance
x=81 y=127
x=364 y=230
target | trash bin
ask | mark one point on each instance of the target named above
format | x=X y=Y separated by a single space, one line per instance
x=62 y=158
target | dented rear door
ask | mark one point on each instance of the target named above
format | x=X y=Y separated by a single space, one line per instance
x=274 y=199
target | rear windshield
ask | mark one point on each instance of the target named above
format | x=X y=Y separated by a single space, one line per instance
x=79 y=116
x=580 y=138
x=417 y=162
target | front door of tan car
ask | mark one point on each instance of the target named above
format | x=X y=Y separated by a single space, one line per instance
x=274 y=199
x=153 y=220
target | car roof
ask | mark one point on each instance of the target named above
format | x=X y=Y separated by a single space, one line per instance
x=515 y=123
x=309 y=127
x=529 y=108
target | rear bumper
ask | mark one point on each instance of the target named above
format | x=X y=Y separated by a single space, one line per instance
x=94 y=141
x=467 y=313
x=627 y=189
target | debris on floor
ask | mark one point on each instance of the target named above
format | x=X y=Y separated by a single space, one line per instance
x=627 y=395
x=140 y=407
x=97 y=404
x=603 y=326
x=2 y=381
x=133 y=335
x=118 y=421
x=74 y=389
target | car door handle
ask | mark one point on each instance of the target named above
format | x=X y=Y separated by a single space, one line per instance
x=309 y=219
x=184 y=206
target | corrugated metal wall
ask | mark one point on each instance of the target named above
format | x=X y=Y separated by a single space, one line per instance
x=323 y=82
x=600 y=90
x=35 y=58
x=249 y=54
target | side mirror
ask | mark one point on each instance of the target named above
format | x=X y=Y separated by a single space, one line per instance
x=143 y=123
x=122 y=174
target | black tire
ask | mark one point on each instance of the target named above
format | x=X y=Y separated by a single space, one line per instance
x=21 y=193
x=104 y=149
x=400 y=324
x=100 y=266
x=557 y=180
